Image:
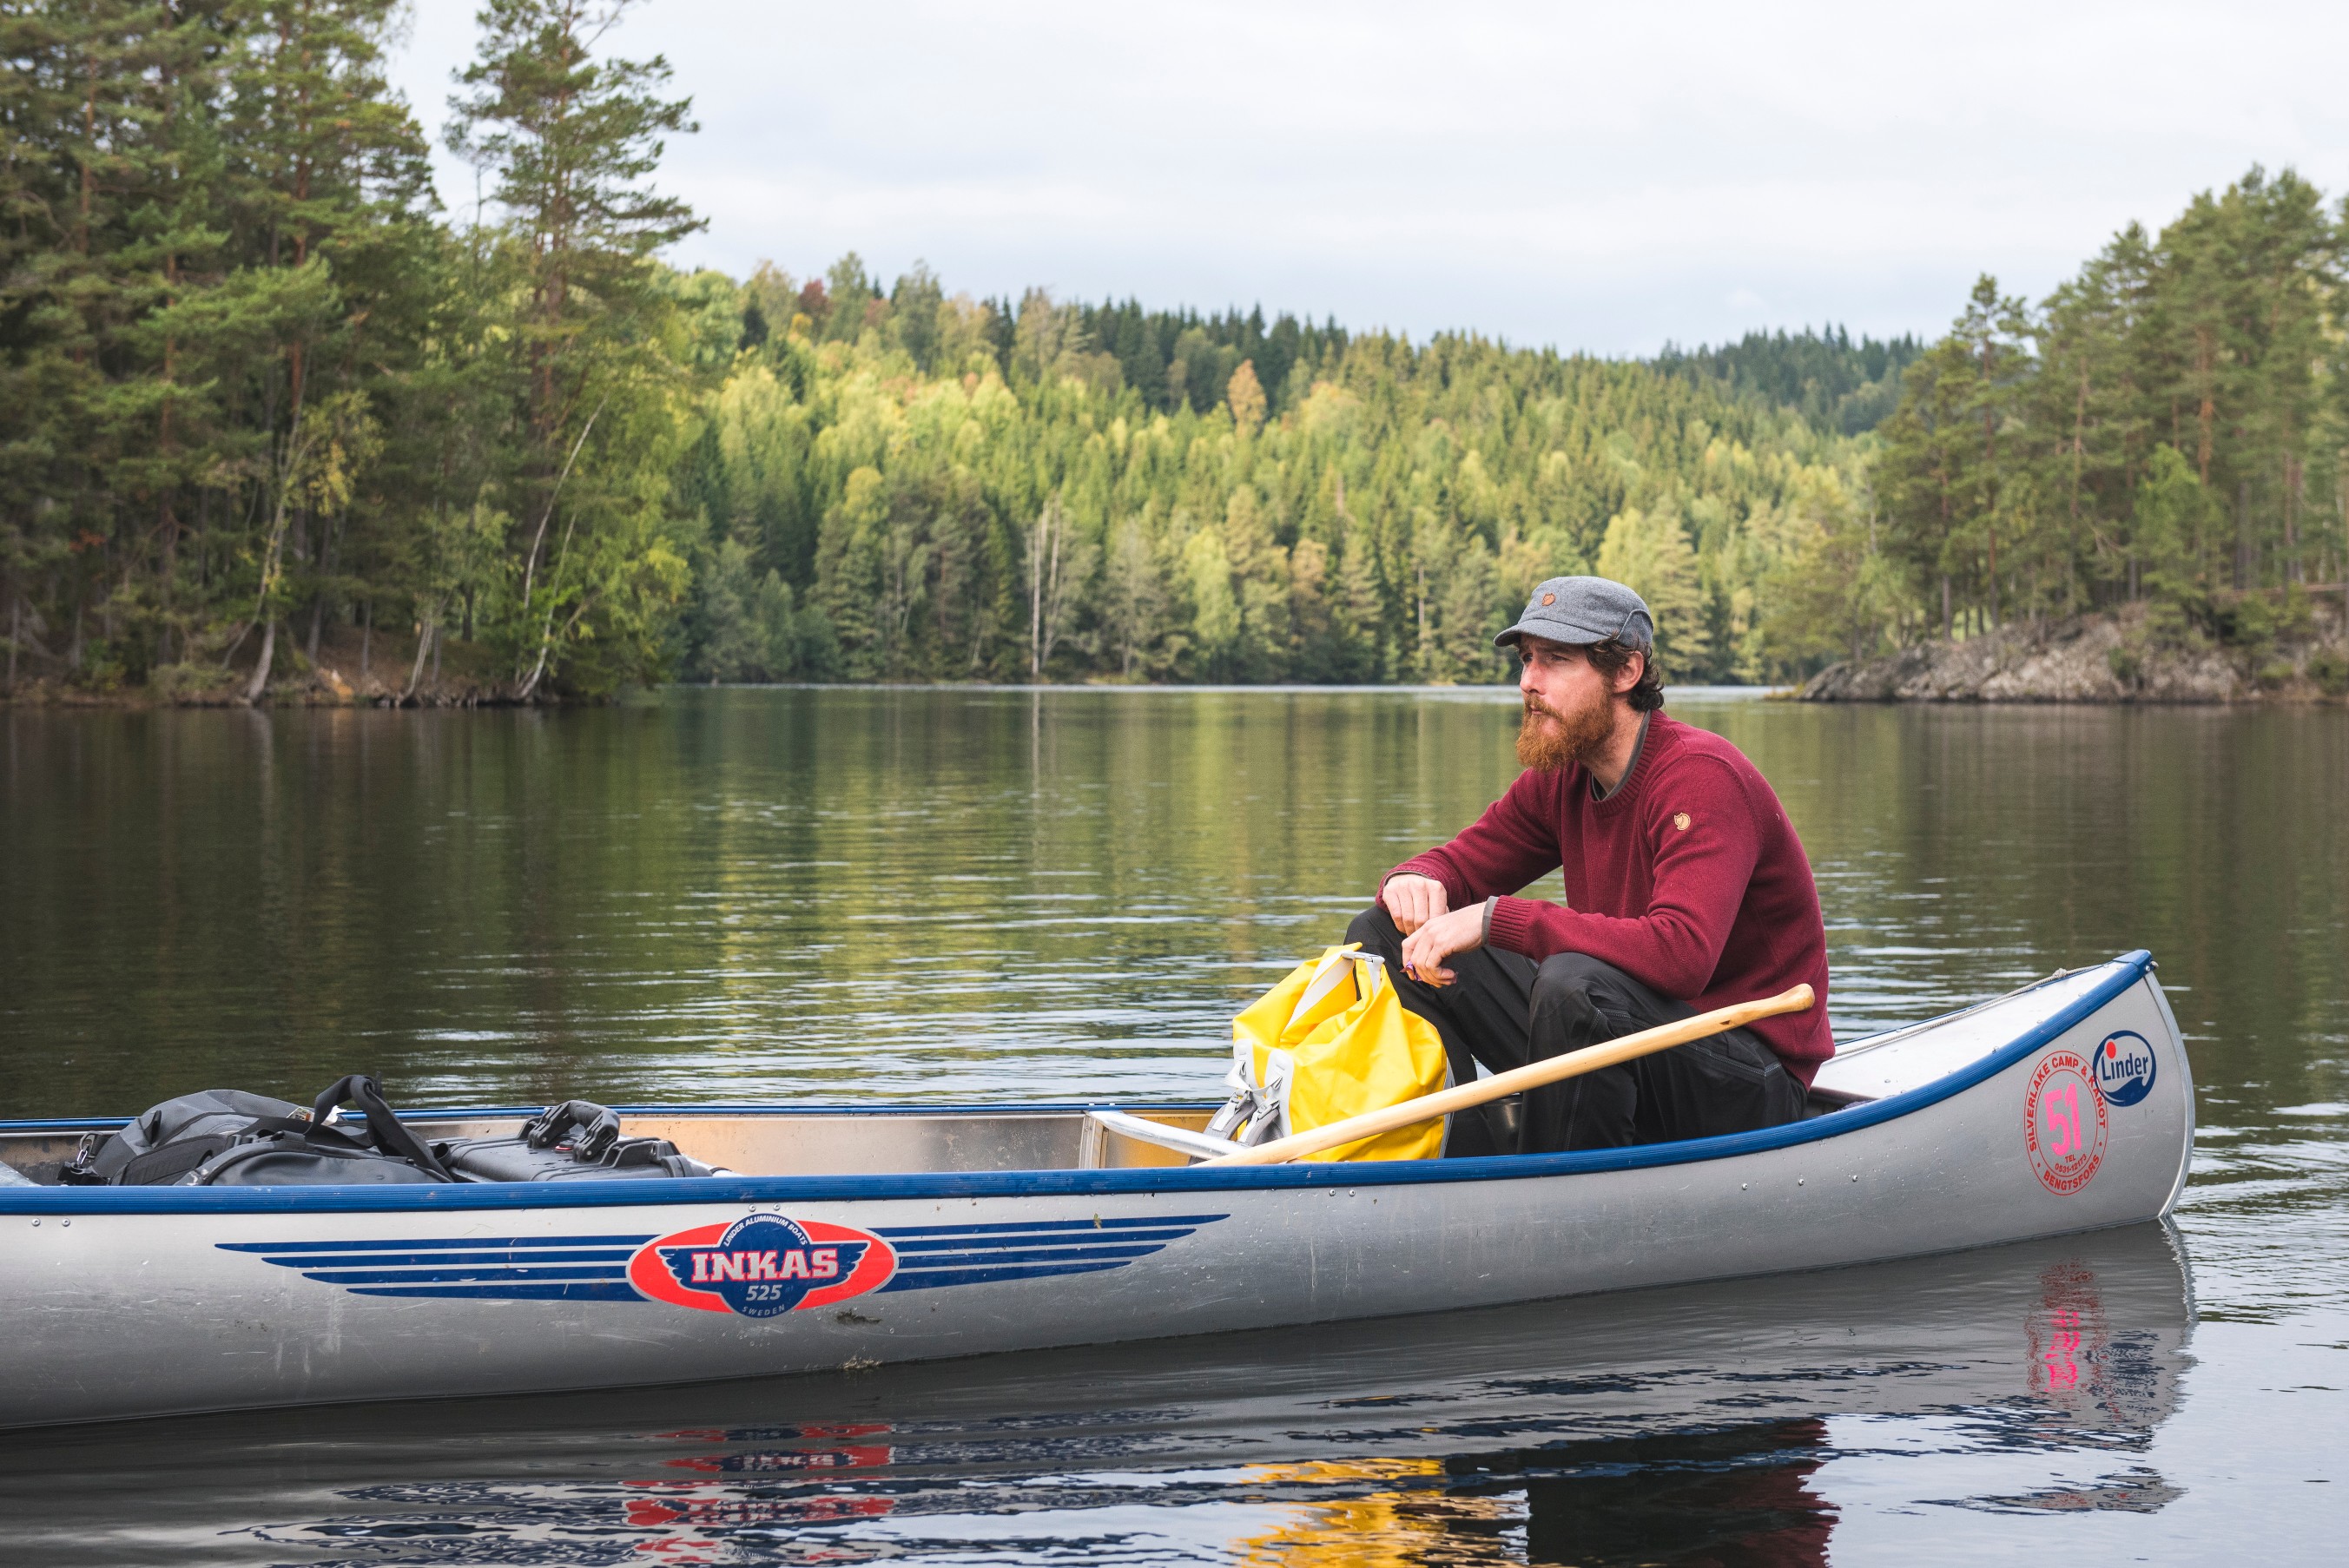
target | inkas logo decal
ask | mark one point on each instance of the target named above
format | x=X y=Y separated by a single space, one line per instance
x=761 y=1266
x=2125 y=1067
x=2063 y=1122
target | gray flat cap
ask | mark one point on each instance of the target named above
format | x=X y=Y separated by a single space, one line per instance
x=1580 y=611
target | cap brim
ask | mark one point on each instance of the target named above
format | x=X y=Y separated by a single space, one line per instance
x=1572 y=635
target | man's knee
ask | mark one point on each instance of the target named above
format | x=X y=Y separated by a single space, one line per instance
x=1573 y=980
x=1578 y=1001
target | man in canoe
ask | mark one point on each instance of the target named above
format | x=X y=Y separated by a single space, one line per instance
x=1686 y=890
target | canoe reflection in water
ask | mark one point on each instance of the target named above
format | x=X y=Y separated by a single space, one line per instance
x=1701 y=1425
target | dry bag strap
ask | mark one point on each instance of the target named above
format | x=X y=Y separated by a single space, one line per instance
x=362 y=1091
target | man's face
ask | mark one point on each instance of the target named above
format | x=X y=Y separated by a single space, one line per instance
x=1570 y=705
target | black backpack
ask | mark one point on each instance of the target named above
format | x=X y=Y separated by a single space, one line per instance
x=227 y=1138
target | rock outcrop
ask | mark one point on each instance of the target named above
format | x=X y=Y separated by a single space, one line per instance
x=2089 y=658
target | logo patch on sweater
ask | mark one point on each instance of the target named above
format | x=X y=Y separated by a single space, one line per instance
x=762 y=1266
x=1681 y=821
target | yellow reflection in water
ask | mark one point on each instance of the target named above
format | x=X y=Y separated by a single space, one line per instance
x=1378 y=1518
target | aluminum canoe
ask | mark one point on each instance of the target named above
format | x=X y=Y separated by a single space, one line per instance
x=860 y=1235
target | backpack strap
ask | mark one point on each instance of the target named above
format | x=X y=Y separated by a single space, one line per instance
x=162 y=1166
x=390 y=1138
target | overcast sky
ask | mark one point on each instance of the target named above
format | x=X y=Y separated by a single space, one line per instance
x=1597 y=177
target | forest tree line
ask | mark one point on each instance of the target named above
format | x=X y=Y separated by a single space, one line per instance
x=263 y=401
x=2168 y=428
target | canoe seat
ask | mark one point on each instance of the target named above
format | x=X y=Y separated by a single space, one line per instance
x=1825 y=1101
x=1110 y=1137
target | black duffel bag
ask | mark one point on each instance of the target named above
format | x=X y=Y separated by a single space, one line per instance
x=227 y=1138
x=578 y=1141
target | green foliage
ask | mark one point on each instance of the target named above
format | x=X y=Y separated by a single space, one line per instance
x=1836 y=595
x=2171 y=520
x=2167 y=426
x=745 y=626
x=249 y=386
x=599 y=332
x=1823 y=376
x=253 y=386
x=1650 y=551
x=1024 y=511
x=2329 y=668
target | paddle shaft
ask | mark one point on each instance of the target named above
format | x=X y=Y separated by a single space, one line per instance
x=1532 y=1074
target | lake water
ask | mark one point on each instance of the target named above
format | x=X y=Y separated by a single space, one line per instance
x=969 y=895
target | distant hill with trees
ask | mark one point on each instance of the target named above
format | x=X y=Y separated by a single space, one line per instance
x=270 y=420
x=1831 y=381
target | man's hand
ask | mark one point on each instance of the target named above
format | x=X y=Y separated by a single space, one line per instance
x=1425 y=950
x=1413 y=900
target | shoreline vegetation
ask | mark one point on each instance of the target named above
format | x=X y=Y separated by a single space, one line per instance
x=275 y=427
x=2123 y=656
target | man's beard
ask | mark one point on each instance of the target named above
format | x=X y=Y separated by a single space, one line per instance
x=1548 y=740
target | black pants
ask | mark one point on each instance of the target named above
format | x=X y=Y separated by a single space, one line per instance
x=1505 y=1010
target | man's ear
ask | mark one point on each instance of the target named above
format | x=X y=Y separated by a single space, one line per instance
x=1630 y=675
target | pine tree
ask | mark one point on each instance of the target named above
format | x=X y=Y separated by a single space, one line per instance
x=569 y=141
x=324 y=190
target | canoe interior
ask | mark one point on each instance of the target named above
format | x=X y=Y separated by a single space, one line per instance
x=854 y=1141
x=798 y=1143
x=784 y=1142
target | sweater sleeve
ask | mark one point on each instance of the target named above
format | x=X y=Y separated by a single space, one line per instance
x=1699 y=882
x=1512 y=843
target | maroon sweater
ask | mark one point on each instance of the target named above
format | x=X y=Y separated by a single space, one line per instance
x=1688 y=878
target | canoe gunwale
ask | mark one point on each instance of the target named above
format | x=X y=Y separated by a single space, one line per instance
x=2121 y=974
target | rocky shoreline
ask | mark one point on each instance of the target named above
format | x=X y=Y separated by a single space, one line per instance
x=2100 y=658
x=378 y=671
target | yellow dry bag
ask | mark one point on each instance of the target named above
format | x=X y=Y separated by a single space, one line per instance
x=1330 y=1042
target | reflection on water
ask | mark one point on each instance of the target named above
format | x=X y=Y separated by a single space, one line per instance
x=1687 y=1426
x=1001 y=895
x=992 y=895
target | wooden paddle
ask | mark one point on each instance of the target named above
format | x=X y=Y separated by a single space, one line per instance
x=1556 y=1070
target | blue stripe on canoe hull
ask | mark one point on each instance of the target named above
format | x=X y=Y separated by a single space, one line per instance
x=595 y=1268
x=445 y=1277
x=932 y=1279
x=1155 y=1223
x=961 y=1257
x=470 y=1243
x=373 y=1260
x=907 y=1249
x=619 y=1292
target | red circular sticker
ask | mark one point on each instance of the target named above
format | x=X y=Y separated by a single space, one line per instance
x=761 y=1265
x=2057 y=1114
